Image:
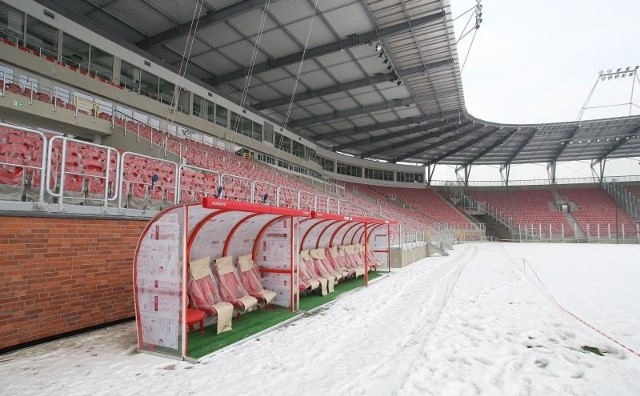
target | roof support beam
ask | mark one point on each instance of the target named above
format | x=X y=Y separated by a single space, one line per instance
x=365 y=82
x=564 y=146
x=206 y=20
x=418 y=139
x=518 y=150
x=353 y=40
x=392 y=135
x=490 y=147
x=440 y=143
x=619 y=143
x=384 y=125
x=464 y=146
x=390 y=104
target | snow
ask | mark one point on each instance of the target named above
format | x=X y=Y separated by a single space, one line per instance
x=470 y=323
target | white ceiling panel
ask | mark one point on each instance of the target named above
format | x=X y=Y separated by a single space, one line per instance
x=278 y=43
x=351 y=19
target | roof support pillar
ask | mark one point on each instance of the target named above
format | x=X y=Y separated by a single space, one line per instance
x=504 y=173
x=430 y=169
x=598 y=173
x=551 y=172
x=467 y=173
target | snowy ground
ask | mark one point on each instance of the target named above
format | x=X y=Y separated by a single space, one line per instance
x=470 y=323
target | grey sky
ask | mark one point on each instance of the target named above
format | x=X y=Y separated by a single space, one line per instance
x=537 y=61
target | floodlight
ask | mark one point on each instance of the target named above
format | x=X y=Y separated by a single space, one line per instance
x=381 y=54
x=389 y=67
x=385 y=61
x=378 y=47
x=399 y=82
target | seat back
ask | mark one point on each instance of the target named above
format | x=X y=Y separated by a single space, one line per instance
x=249 y=276
x=203 y=287
x=230 y=287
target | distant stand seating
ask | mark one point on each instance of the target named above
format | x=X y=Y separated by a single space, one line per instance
x=527 y=208
x=596 y=210
x=421 y=205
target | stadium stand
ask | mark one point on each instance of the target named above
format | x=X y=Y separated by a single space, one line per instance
x=525 y=207
x=597 y=213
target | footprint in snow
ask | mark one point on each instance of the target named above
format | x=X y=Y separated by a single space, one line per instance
x=541 y=362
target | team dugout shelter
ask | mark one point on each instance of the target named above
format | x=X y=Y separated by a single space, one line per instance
x=252 y=249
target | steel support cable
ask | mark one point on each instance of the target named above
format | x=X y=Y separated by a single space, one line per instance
x=297 y=79
x=252 y=63
x=182 y=71
x=468 y=51
x=186 y=54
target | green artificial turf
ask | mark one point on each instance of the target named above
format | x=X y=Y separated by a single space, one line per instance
x=312 y=301
x=202 y=344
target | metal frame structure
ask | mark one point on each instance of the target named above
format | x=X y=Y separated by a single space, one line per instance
x=369 y=68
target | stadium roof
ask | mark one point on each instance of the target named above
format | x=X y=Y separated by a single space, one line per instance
x=348 y=99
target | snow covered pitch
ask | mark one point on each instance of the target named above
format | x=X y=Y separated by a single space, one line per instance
x=470 y=323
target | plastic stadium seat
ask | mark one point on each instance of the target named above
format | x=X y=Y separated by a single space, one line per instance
x=322 y=266
x=231 y=288
x=11 y=182
x=250 y=278
x=74 y=189
x=309 y=281
x=195 y=316
x=338 y=265
x=205 y=294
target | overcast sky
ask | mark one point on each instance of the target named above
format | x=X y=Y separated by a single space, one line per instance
x=537 y=61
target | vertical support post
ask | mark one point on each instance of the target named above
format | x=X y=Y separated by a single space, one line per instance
x=294 y=299
x=540 y=230
x=519 y=233
x=562 y=232
x=366 y=262
x=589 y=233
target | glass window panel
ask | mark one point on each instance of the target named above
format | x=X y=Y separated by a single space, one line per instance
x=167 y=89
x=42 y=37
x=75 y=52
x=149 y=85
x=101 y=63
x=210 y=110
x=222 y=115
x=130 y=75
x=11 y=23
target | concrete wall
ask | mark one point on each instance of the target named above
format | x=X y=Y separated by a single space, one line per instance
x=401 y=257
